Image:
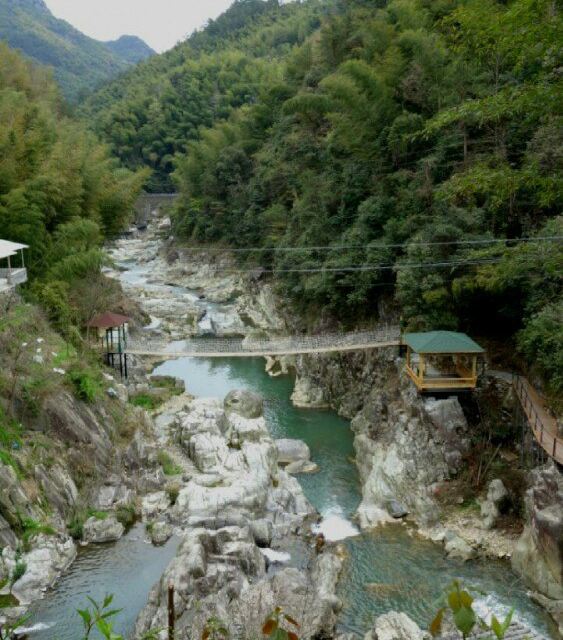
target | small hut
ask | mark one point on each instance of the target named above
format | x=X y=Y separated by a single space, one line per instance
x=442 y=360
x=112 y=331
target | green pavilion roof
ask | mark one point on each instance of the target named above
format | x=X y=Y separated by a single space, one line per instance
x=441 y=342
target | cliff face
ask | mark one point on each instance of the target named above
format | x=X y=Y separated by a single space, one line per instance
x=539 y=553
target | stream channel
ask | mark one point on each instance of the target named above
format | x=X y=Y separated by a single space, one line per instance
x=390 y=568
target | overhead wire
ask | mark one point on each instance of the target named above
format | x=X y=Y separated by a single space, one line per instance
x=403 y=245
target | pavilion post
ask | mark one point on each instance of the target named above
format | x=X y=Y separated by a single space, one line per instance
x=9 y=271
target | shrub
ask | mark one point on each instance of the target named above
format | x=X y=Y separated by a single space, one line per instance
x=169 y=467
x=99 y=515
x=19 y=570
x=75 y=528
x=126 y=514
x=173 y=490
x=144 y=401
x=33 y=528
x=85 y=385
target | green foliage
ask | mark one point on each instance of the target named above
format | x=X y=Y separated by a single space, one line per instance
x=8 y=629
x=96 y=513
x=19 y=570
x=459 y=605
x=214 y=630
x=32 y=528
x=98 y=619
x=126 y=514
x=80 y=63
x=144 y=401
x=75 y=527
x=169 y=467
x=61 y=193
x=275 y=626
x=85 y=383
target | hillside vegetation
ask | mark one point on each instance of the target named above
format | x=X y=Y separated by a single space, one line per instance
x=60 y=192
x=80 y=63
x=401 y=138
x=151 y=113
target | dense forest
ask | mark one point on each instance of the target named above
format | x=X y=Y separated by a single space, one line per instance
x=80 y=63
x=60 y=192
x=369 y=151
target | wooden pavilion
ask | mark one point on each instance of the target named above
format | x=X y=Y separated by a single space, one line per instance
x=10 y=274
x=442 y=360
x=112 y=331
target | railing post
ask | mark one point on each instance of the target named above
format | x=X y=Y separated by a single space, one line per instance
x=171 y=612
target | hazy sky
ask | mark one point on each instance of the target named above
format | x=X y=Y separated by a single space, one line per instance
x=160 y=23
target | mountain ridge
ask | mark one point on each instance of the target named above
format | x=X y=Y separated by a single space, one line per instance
x=80 y=63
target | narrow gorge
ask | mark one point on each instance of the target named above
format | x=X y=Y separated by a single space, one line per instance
x=242 y=527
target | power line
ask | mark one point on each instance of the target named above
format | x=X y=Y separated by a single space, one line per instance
x=488 y=241
x=367 y=267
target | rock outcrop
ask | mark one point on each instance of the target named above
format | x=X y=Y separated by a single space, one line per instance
x=538 y=556
x=395 y=626
x=404 y=444
x=222 y=574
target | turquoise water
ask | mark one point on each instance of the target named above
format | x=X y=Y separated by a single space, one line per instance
x=127 y=568
x=387 y=569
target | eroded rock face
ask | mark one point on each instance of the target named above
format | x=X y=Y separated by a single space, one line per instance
x=539 y=553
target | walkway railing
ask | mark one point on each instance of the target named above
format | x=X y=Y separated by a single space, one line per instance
x=241 y=347
x=543 y=426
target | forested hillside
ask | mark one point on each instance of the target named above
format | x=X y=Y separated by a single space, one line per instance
x=392 y=149
x=80 y=63
x=60 y=192
x=152 y=112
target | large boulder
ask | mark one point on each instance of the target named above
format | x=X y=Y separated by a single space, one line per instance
x=490 y=507
x=395 y=626
x=308 y=394
x=98 y=530
x=457 y=547
x=246 y=403
x=290 y=450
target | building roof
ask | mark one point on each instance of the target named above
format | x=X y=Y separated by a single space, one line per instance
x=441 y=342
x=108 y=320
x=8 y=248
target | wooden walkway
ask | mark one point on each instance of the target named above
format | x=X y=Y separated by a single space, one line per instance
x=542 y=423
x=249 y=347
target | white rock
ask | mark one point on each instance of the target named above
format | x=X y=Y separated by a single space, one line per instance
x=102 y=530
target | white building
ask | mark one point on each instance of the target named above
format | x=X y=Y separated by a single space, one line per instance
x=12 y=265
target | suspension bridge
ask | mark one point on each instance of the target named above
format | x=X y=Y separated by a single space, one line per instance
x=217 y=347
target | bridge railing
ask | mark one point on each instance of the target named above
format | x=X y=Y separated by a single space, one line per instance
x=273 y=346
x=547 y=438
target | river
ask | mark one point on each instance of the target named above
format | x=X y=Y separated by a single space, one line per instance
x=391 y=568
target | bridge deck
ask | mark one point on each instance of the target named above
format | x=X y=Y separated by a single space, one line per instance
x=242 y=348
x=543 y=424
